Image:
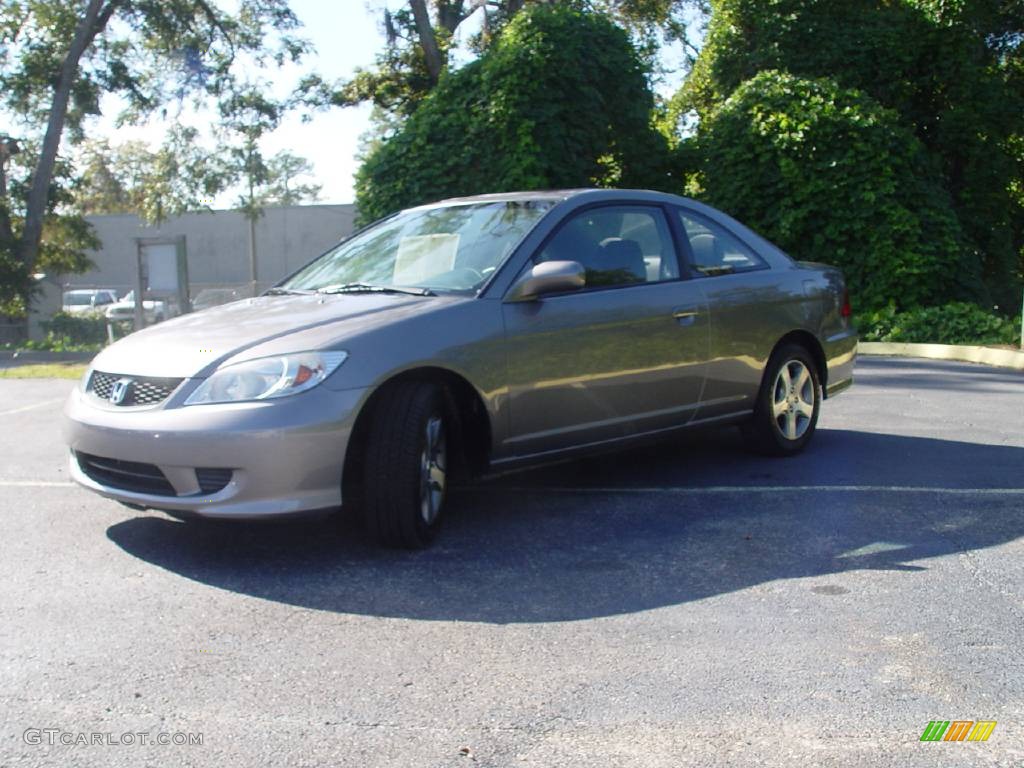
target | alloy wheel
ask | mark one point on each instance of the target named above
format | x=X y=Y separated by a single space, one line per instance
x=794 y=399
x=433 y=463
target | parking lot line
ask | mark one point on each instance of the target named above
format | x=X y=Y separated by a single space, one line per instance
x=682 y=490
x=32 y=407
x=760 y=489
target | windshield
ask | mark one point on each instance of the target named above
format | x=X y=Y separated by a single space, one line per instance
x=452 y=248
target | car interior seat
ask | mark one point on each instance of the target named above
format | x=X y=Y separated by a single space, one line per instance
x=705 y=251
x=622 y=256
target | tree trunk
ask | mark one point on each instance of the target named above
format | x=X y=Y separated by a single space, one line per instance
x=8 y=148
x=451 y=13
x=428 y=41
x=92 y=22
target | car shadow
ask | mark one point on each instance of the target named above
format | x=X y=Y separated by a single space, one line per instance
x=624 y=533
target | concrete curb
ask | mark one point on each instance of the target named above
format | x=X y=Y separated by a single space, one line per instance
x=1003 y=358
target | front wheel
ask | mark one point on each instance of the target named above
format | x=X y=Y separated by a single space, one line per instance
x=406 y=469
x=788 y=403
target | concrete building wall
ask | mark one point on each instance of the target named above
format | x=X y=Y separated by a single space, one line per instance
x=218 y=244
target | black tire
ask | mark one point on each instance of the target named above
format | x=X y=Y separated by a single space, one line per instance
x=770 y=432
x=394 y=476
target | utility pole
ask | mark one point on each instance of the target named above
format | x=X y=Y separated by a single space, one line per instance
x=253 y=276
x=251 y=212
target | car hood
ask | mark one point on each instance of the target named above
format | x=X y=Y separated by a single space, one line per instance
x=193 y=345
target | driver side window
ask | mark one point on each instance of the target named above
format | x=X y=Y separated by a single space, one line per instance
x=617 y=245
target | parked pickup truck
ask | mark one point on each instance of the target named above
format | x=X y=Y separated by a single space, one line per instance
x=153 y=311
x=84 y=301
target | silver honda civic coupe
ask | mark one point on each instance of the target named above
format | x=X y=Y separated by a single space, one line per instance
x=466 y=336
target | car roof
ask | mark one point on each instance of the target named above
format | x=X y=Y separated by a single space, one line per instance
x=555 y=195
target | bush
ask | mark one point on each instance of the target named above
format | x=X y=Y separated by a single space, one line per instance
x=53 y=343
x=77 y=329
x=830 y=175
x=561 y=100
x=69 y=333
x=956 y=323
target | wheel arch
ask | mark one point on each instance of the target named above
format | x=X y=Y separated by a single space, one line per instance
x=810 y=342
x=465 y=405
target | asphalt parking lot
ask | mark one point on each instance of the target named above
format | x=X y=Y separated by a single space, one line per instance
x=683 y=604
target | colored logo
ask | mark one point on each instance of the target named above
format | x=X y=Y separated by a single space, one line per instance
x=958 y=730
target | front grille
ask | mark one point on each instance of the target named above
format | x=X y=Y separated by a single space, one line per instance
x=125 y=475
x=142 y=390
x=211 y=479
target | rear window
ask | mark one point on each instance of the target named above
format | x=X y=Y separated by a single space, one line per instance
x=715 y=250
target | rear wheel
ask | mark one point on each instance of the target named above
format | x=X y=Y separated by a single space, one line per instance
x=786 y=413
x=405 y=477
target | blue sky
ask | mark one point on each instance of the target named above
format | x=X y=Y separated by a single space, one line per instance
x=346 y=34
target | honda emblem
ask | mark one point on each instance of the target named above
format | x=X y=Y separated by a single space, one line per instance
x=119 y=391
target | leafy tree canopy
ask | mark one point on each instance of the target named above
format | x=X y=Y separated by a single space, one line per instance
x=420 y=38
x=181 y=176
x=560 y=100
x=288 y=182
x=177 y=177
x=58 y=58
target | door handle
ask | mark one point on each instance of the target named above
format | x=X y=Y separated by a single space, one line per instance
x=685 y=316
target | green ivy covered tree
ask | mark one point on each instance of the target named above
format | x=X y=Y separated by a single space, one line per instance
x=561 y=99
x=949 y=72
x=830 y=175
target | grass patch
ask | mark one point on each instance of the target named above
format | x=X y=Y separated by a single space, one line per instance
x=44 y=371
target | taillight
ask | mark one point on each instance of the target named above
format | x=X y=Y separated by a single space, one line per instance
x=847 y=309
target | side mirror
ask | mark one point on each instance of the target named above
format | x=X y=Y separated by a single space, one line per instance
x=548 y=277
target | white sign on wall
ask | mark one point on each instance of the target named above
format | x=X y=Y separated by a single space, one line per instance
x=161 y=266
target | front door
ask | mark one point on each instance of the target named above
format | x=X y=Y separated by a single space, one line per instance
x=624 y=355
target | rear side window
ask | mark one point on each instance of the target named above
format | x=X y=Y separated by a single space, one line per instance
x=617 y=245
x=715 y=250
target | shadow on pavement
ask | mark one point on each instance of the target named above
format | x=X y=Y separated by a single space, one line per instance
x=520 y=550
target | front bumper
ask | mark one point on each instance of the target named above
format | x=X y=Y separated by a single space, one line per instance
x=286 y=456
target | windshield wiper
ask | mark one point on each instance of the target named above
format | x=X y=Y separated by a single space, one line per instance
x=370 y=288
x=285 y=292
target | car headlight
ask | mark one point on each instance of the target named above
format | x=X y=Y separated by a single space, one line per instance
x=267 y=377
